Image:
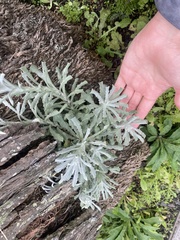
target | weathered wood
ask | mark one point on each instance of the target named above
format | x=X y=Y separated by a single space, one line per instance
x=25 y=166
x=16 y=144
x=30 y=35
x=86 y=226
x=27 y=212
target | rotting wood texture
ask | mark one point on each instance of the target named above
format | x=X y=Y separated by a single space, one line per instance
x=27 y=212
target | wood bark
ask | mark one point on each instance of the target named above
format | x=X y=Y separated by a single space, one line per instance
x=27 y=212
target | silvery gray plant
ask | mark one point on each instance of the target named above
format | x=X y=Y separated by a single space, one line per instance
x=89 y=126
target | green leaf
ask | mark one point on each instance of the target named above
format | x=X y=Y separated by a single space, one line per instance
x=106 y=220
x=113 y=214
x=153 y=220
x=167 y=128
x=153 y=157
x=162 y=158
x=116 y=41
x=91 y=17
x=123 y=215
x=173 y=147
x=152 y=138
x=158 y=158
x=130 y=232
x=152 y=130
x=153 y=235
x=143 y=184
x=123 y=23
x=122 y=233
x=55 y=134
x=175 y=135
x=114 y=232
x=140 y=236
x=142 y=21
x=104 y=13
x=154 y=147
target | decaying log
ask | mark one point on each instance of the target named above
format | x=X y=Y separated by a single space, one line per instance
x=27 y=156
x=31 y=35
x=27 y=212
x=86 y=226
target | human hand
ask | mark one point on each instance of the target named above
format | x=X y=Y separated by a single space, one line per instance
x=151 y=66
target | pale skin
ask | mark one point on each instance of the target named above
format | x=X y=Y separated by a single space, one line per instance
x=151 y=65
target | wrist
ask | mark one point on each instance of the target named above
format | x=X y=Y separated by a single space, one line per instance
x=170 y=10
x=165 y=28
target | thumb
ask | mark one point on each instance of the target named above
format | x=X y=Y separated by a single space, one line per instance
x=177 y=98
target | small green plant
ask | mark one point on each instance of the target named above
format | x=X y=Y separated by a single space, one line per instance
x=163 y=131
x=142 y=210
x=105 y=28
x=123 y=224
x=164 y=109
x=132 y=7
x=73 y=11
x=165 y=144
x=158 y=186
x=87 y=126
x=107 y=39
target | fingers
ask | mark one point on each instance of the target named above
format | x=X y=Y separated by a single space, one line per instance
x=139 y=103
x=120 y=83
x=134 y=101
x=128 y=91
x=144 y=107
x=133 y=98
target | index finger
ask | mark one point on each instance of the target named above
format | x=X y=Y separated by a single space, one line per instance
x=144 y=107
x=120 y=83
